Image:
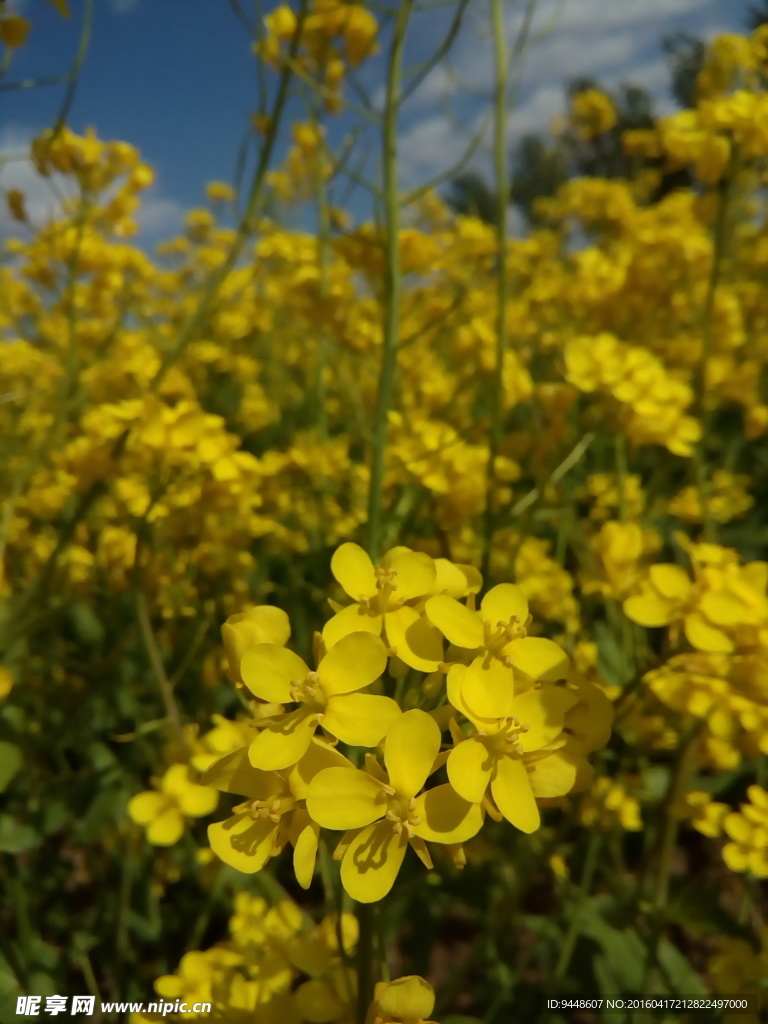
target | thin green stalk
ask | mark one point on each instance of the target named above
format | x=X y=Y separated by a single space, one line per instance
x=392 y=278
x=666 y=847
x=158 y=670
x=501 y=174
x=707 y=338
x=391 y=333
x=585 y=886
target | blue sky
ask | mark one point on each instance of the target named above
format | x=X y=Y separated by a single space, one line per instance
x=177 y=78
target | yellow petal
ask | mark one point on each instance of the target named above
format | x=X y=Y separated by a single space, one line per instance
x=410 y=749
x=243 y=843
x=166 y=829
x=722 y=608
x=488 y=692
x=470 y=766
x=305 y=854
x=372 y=861
x=269 y=671
x=317 y=1002
x=262 y=624
x=360 y=719
x=197 y=801
x=648 y=610
x=319 y=756
x=353 y=569
x=705 y=637
x=410 y=997
x=445 y=817
x=352 y=619
x=456 y=622
x=671 y=581
x=737 y=828
x=355 y=661
x=283 y=741
x=419 y=847
x=543 y=711
x=538 y=657
x=735 y=857
x=552 y=776
x=504 y=602
x=143 y=807
x=418 y=643
x=345 y=798
x=176 y=779
x=511 y=789
x=234 y=773
x=415 y=574
x=450 y=579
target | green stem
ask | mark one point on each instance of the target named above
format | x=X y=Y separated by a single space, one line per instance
x=666 y=848
x=158 y=670
x=707 y=336
x=392 y=278
x=585 y=885
x=501 y=72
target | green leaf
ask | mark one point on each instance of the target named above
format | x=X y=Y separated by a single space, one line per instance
x=9 y=984
x=15 y=837
x=621 y=963
x=42 y=984
x=10 y=762
x=85 y=623
x=681 y=976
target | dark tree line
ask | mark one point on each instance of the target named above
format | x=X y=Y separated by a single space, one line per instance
x=541 y=164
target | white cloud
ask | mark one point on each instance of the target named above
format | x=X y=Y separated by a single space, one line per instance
x=43 y=196
x=159 y=217
x=613 y=41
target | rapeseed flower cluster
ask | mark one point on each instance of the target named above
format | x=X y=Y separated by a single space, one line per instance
x=178 y=455
x=521 y=723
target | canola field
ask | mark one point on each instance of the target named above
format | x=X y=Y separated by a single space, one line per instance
x=384 y=604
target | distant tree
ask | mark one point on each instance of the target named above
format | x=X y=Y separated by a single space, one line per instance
x=471 y=195
x=685 y=57
x=758 y=15
x=541 y=164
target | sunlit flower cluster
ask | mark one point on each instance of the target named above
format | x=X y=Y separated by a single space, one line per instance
x=521 y=724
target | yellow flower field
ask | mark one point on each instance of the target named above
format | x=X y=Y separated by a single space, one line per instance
x=384 y=604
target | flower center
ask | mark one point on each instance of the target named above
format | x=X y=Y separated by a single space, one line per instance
x=507 y=739
x=308 y=691
x=498 y=636
x=274 y=807
x=402 y=813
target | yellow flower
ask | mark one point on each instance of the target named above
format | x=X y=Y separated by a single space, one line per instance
x=260 y=624
x=326 y=697
x=193 y=980
x=359 y=32
x=13 y=31
x=704 y=814
x=515 y=755
x=6 y=682
x=748 y=830
x=383 y=812
x=162 y=812
x=408 y=1000
x=274 y=812
x=496 y=639
x=384 y=596
x=593 y=113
